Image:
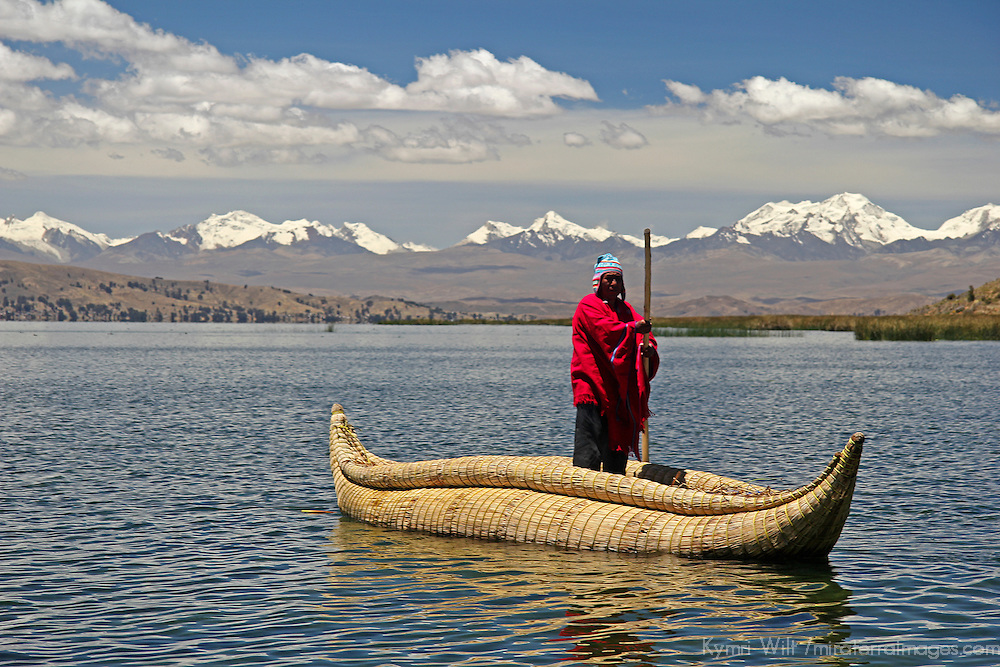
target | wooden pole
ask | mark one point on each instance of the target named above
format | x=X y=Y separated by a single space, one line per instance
x=645 y=342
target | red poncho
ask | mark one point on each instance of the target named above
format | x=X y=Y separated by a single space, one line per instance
x=607 y=368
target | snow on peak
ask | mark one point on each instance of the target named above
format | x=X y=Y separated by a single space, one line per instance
x=238 y=227
x=360 y=234
x=552 y=228
x=491 y=231
x=45 y=222
x=418 y=247
x=225 y=231
x=48 y=236
x=849 y=217
x=296 y=231
x=655 y=240
x=972 y=222
x=701 y=232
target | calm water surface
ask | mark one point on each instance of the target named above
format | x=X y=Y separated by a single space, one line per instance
x=153 y=479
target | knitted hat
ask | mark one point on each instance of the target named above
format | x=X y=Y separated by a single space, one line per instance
x=606 y=263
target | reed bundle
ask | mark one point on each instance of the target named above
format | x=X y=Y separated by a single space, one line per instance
x=652 y=508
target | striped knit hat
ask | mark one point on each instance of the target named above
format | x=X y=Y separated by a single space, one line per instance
x=606 y=263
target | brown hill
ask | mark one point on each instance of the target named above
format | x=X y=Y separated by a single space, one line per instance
x=473 y=279
x=57 y=292
x=982 y=300
x=487 y=281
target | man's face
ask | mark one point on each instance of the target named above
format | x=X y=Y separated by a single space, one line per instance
x=611 y=286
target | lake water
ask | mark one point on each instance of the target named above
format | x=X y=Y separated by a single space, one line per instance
x=153 y=479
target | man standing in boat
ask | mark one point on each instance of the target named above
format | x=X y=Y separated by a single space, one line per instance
x=610 y=385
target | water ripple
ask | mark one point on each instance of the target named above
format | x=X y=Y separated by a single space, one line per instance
x=153 y=481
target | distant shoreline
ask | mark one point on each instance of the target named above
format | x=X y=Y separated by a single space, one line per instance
x=46 y=292
x=915 y=327
x=983 y=327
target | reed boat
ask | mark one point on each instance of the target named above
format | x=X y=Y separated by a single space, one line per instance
x=546 y=499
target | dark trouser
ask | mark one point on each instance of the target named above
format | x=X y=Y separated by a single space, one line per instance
x=591 y=446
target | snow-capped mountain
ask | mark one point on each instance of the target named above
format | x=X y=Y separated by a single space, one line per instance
x=49 y=238
x=219 y=232
x=971 y=223
x=360 y=234
x=701 y=232
x=246 y=231
x=238 y=228
x=844 y=226
x=845 y=218
x=973 y=231
x=45 y=237
x=554 y=235
x=655 y=240
x=491 y=231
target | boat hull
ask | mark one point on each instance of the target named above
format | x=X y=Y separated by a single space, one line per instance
x=547 y=500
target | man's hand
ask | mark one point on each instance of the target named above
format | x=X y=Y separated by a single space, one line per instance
x=644 y=326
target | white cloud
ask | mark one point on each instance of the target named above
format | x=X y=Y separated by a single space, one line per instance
x=575 y=140
x=171 y=154
x=186 y=95
x=234 y=156
x=8 y=121
x=16 y=66
x=11 y=175
x=96 y=28
x=867 y=106
x=431 y=146
x=77 y=122
x=461 y=82
x=687 y=94
x=622 y=136
x=459 y=140
x=476 y=82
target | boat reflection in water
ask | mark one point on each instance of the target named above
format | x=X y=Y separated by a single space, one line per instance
x=404 y=596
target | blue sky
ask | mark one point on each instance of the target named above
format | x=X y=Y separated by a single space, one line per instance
x=425 y=119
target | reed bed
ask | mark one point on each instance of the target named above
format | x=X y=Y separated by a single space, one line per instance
x=928 y=327
x=749 y=326
x=917 y=327
x=760 y=323
x=721 y=332
x=882 y=327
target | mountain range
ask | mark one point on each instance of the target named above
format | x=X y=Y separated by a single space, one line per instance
x=44 y=237
x=782 y=255
x=844 y=226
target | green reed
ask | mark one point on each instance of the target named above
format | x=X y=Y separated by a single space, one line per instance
x=719 y=332
x=865 y=327
x=763 y=322
x=750 y=325
x=882 y=327
x=928 y=327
